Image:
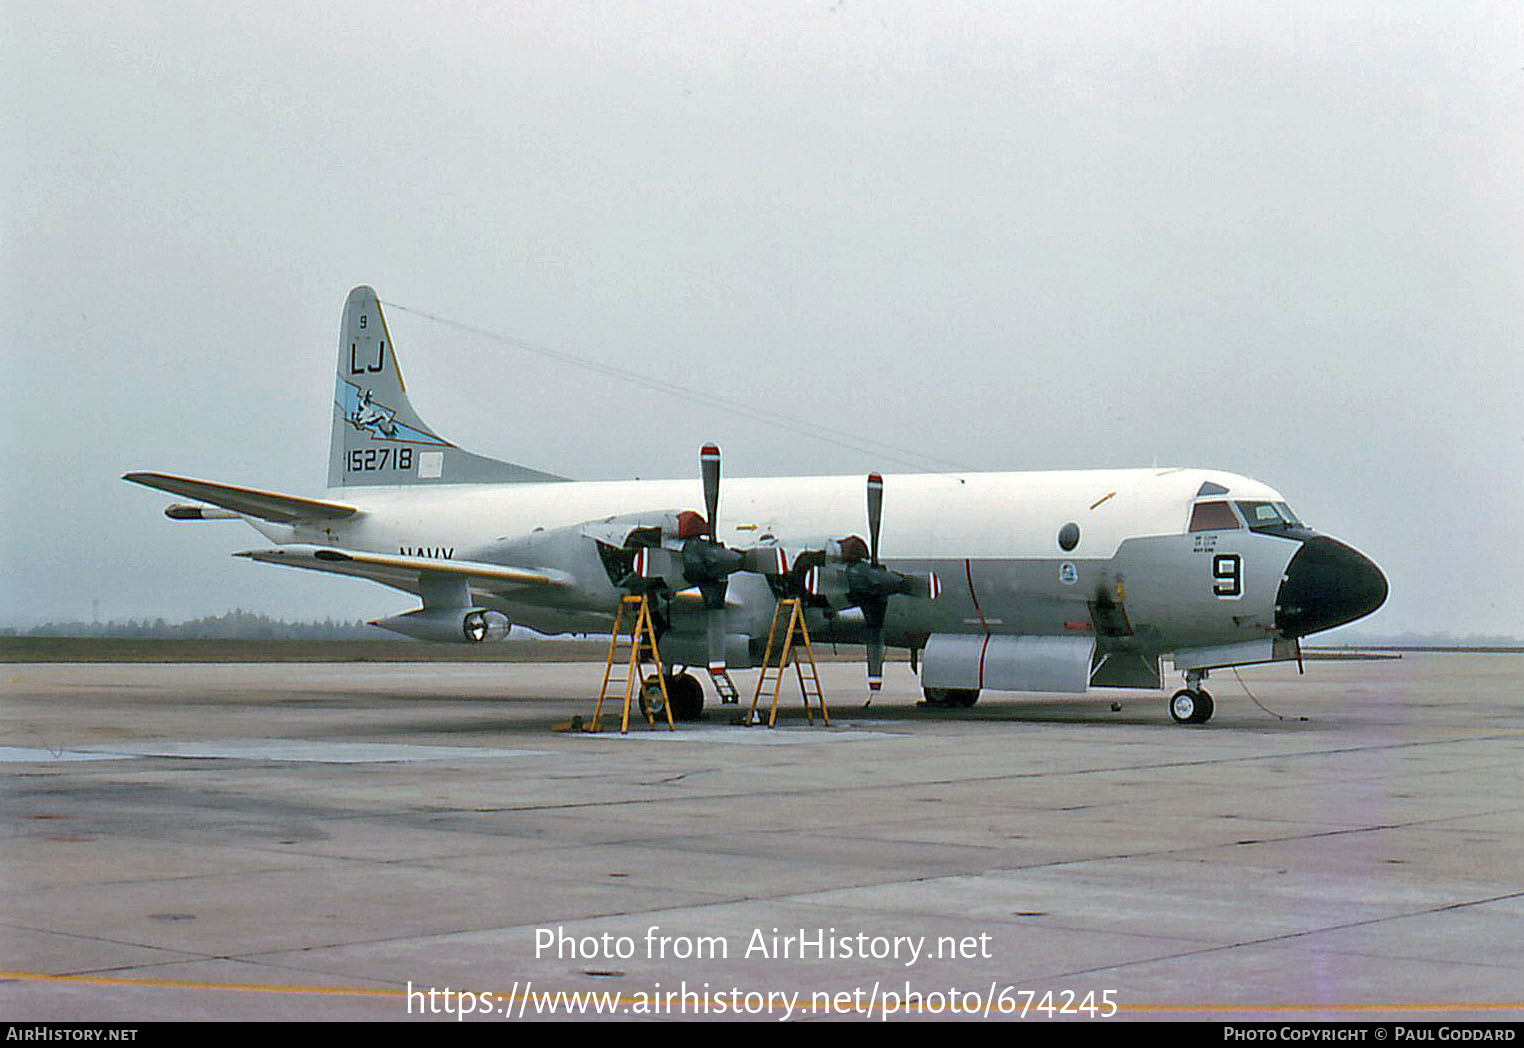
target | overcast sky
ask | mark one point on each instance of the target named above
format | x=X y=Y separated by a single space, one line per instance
x=1283 y=239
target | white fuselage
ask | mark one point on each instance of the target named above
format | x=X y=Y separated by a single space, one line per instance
x=991 y=537
x=927 y=516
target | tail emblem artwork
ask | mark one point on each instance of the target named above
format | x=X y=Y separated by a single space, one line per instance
x=366 y=415
x=1055 y=581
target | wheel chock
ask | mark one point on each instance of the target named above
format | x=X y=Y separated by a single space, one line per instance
x=591 y=726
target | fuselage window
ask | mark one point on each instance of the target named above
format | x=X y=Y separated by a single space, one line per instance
x=1213 y=516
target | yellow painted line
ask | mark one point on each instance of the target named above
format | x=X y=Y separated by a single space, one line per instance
x=1122 y=1009
x=83 y=980
x=1304 y=1009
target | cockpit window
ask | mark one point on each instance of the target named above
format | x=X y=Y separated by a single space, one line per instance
x=1213 y=516
x=1267 y=516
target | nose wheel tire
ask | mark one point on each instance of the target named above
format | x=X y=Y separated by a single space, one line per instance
x=1189 y=706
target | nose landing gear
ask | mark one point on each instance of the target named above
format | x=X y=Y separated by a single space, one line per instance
x=1192 y=704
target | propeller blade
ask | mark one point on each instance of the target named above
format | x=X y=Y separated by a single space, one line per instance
x=709 y=466
x=875 y=659
x=716 y=624
x=874 y=608
x=875 y=638
x=875 y=513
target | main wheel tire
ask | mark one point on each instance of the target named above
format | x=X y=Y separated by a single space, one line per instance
x=950 y=698
x=687 y=696
x=1204 y=707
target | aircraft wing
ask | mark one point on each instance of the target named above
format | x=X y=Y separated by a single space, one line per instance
x=266 y=505
x=405 y=572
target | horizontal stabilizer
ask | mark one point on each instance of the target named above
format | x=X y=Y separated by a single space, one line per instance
x=403 y=571
x=266 y=505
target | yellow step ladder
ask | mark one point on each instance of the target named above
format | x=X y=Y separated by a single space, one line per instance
x=634 y=627
x=794 y=638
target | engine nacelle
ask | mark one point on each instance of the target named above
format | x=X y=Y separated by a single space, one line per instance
x=681 y=649
x=449 y=625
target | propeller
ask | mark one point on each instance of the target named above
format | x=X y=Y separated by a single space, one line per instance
x=703 y=561
x=868 y=584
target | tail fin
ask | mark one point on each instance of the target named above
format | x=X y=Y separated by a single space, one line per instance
x=377 y=437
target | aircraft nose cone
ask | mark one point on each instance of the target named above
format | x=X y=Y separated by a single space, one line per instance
x=1327 y=584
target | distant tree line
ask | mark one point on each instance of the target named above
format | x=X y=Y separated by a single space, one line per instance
x=235 y=625
x=1415 y=640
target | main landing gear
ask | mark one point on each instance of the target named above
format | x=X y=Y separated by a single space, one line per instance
x=950 y=698
x=687 y=696
x=1192 y=704
x=684 y=692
